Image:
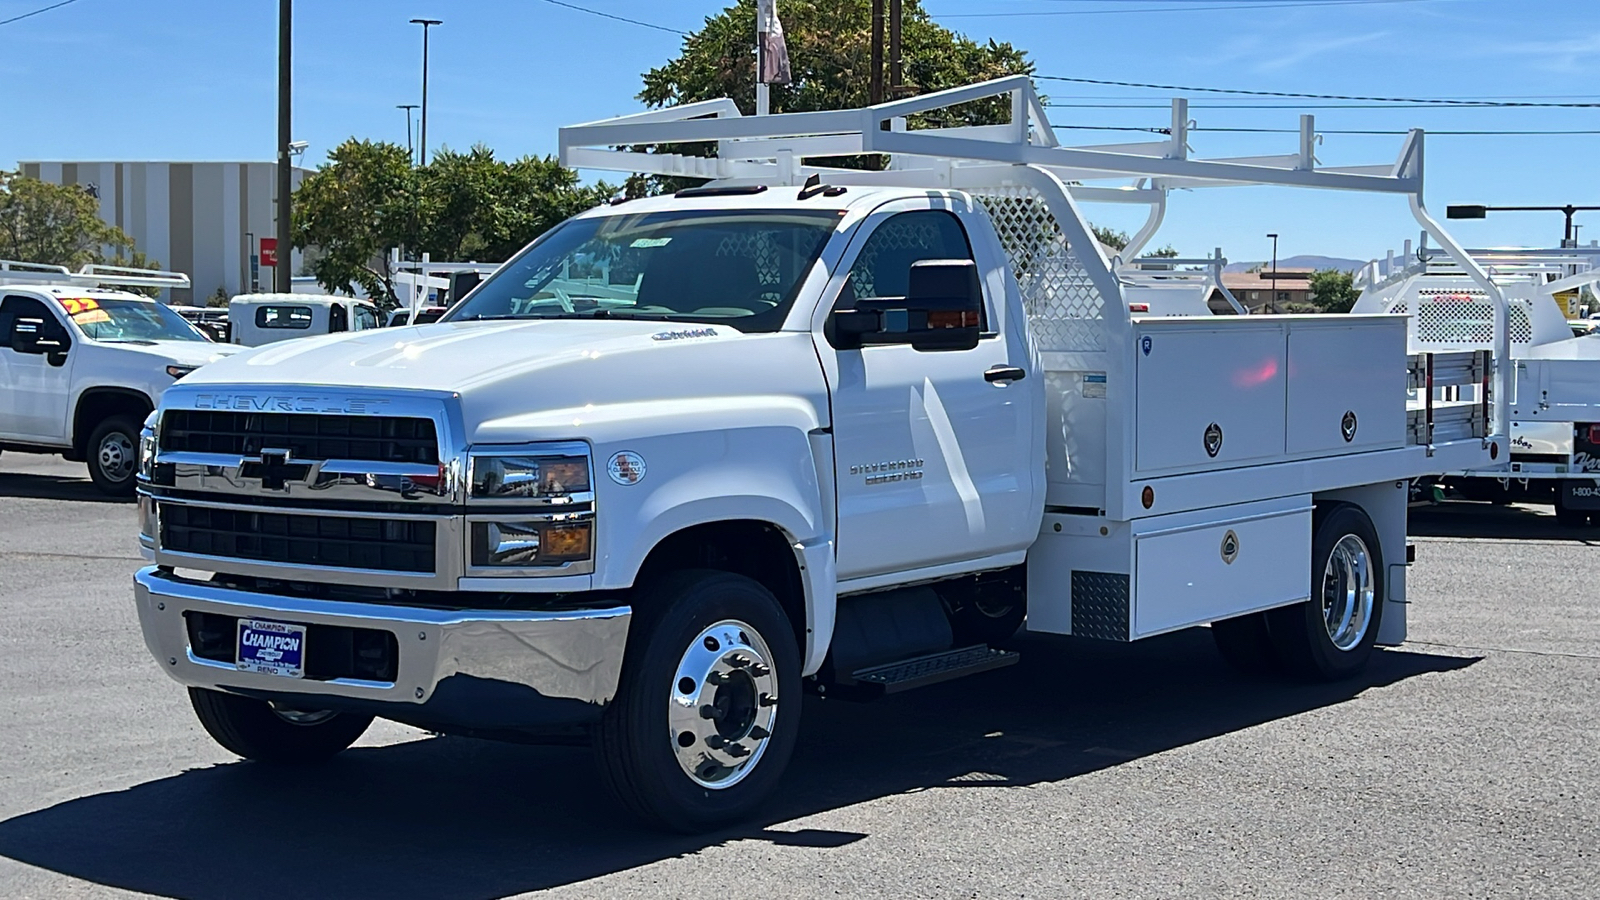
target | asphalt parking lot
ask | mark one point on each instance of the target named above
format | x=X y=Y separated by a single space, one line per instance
x=1465 y=764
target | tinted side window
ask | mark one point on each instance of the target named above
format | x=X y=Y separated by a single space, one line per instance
x=283 y=317
x=884 y=267
x=14 y=308
x=338 y=319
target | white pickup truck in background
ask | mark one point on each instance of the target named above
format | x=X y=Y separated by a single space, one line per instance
x=84 y=363
x=687 y=457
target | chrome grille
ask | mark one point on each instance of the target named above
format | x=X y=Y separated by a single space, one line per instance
x=307 y=436
x=300 y=539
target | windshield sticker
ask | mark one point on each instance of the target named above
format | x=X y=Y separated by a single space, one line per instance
x=91 y=316
x=77 y=306
x=651 y=242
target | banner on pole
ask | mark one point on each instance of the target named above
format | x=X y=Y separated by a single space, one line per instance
x=774 y=51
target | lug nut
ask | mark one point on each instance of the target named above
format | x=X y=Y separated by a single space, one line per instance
x=757 y=733
x=738 y=751
x=738 y=660
x=768 y=700
x=716 y=741
x=716 y=679
x=760 y=669
x=710 y=712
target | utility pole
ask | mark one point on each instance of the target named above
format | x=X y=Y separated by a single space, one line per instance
x=875 y=88
x=896 y=70
x=1274 y=289
x=411 y=149
x=282 y=271
x=422 y=141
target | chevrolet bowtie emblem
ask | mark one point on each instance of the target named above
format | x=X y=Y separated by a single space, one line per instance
x=275 y=470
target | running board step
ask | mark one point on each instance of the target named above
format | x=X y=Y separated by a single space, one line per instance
x=918 y=671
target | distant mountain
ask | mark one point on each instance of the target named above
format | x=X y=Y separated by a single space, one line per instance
x=1302 y=262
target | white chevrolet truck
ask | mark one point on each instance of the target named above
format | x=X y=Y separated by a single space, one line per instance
x=689 y=457
x=84 y=362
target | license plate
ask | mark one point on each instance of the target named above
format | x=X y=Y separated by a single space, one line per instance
x=272 y=648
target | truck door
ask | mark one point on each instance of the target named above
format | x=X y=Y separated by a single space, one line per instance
x=35 y=385
x=933 y=454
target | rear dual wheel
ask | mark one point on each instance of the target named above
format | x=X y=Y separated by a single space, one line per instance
x=1331 y=635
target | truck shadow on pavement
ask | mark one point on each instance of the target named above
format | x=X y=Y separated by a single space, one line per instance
x=38 y=486
x=1465 y=519
x=463 y=819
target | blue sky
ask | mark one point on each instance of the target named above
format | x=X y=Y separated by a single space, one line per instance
x=195 y=80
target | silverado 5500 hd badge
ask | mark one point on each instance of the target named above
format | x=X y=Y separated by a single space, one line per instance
x=893 y=470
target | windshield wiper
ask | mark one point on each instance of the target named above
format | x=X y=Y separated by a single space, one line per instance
x=528 y=317
x=145 y=341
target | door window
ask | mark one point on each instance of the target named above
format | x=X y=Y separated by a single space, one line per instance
x=25 y=308
x=338 y=319
x=365 y=318
x=883 y=268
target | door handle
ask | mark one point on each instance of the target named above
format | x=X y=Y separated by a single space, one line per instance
x=1004 y=374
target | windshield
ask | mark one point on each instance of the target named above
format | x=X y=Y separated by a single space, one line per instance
x=740 y=268
x=111 y=319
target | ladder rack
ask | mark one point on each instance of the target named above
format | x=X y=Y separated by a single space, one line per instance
x=17 y=272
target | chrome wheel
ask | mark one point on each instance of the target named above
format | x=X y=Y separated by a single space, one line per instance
x=301 y=716
x=1348 y=593
x=724 y=699
x=116 y=456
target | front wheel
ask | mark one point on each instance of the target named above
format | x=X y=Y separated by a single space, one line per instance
x=705 y=717
x=1331 y=636
x=273 y=732
x=114 y=456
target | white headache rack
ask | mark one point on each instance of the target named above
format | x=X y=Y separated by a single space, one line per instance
x=15 y=272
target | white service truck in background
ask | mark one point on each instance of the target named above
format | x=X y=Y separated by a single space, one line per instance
x=1554 y=405
x=687 y=457
x=257 y=319
x=83 y=363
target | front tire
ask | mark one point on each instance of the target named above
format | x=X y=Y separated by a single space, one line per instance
x=114 y=456
x=705 y=718
x=1331 y=636
x=256 y=729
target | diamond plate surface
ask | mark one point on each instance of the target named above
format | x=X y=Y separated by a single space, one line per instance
x=1100 y=605
x=1065 y=310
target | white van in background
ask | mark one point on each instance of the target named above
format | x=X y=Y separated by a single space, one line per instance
x=256 y=319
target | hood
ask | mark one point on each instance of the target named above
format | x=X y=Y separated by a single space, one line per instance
x=502 y=370
x=182 y=353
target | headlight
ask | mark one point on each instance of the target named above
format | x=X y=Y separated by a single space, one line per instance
x=529 y=543
x=147 y=447
x=180 y=371
x=531 y=508
x=546 y=477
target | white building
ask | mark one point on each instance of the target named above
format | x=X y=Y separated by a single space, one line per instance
x=201 y=218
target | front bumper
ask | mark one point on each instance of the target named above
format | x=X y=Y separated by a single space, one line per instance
x=464 y=670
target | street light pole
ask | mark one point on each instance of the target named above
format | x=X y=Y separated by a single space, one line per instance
x=1273 y=292
x=282 y=271
x=422 y=150
x=411 y=150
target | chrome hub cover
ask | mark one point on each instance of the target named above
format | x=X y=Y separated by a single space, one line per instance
x=723 y=702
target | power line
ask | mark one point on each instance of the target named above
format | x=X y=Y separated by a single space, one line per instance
x=1419 y=100
x=44 y=9
x=1258 y=5
x=603 y=15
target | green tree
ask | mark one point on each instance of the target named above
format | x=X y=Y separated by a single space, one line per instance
x=1333 y=291
x=59 y=225
x=369 y=198
x=1114 y=239
x=353 y=209
x=830 y=57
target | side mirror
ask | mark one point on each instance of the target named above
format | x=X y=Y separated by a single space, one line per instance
x=942 y=310
x=38 y=337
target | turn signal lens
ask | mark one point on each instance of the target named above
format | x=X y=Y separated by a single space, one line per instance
x=566 y=542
